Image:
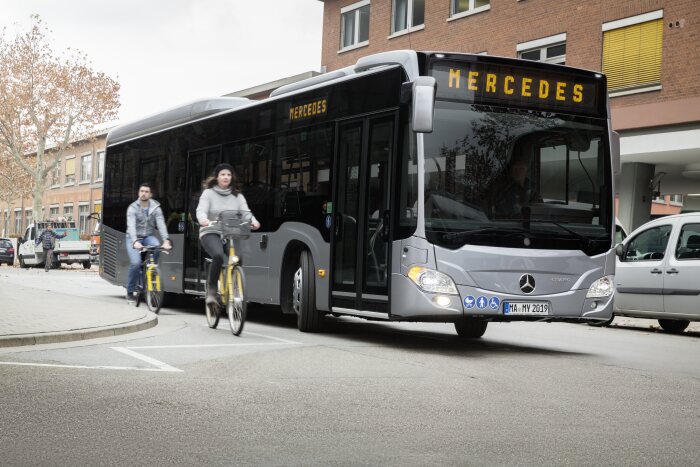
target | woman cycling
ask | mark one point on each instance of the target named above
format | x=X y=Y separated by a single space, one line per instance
x=220 y=194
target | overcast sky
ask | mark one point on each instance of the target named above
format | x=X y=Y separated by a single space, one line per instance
x=169 y=52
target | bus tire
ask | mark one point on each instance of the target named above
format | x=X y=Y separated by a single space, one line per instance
x=470 y=328
x=309 y=319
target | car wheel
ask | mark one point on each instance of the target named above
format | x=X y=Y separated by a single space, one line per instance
x=470 y=328
x=675 y=326
x=22 y=264
x=86 y=264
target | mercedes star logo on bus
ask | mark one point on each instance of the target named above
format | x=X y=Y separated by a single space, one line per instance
x=527 y=283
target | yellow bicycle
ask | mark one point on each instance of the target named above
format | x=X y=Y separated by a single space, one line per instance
x=230 y=295
x=149 y=285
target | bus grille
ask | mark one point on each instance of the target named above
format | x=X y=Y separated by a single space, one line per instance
x=109 y=249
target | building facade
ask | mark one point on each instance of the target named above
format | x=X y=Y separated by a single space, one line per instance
x=73 y=191
x=649 y=50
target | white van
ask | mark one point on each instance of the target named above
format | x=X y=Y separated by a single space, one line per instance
x=658 y=272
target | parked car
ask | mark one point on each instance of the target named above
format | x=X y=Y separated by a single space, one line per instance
x=7 y=252
x=658 y=272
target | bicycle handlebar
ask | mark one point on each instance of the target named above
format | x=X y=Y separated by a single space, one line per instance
x=146 y=249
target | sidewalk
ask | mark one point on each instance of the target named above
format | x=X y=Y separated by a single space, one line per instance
x=63 y=306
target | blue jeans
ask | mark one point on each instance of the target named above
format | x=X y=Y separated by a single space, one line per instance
x=135 y=259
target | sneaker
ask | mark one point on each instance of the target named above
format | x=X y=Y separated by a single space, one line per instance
x=130 y=298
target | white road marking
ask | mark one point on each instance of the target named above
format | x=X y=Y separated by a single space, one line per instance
x=85 y=367
x=197 y=346
x=273 y=338
x=157 y=363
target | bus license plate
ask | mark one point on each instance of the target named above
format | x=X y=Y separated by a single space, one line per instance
x=526 y=308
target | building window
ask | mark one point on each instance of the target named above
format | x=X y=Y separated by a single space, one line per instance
x=408 y=14
x=18 y=221
x=550 y=49
x=70 y=171
x=676 y=199
x=68 y=212
x=85 y=166
x=56 y=175
x=53 y=212
x=466 y=7
x=632 y=52
x=27 y=217
x=83 y=213
x=354 y=25
x=100 y=169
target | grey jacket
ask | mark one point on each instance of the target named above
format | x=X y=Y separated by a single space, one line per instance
x=212 y=202
x=140 y=226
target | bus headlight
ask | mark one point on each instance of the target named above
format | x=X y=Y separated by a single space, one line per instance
x=431 y=280
x=603 y=287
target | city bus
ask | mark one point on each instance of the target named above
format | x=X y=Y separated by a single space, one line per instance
x=411 y=186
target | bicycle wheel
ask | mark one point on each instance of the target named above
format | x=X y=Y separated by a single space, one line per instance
x=235 y=301
x=212 y=312
x=154 y=295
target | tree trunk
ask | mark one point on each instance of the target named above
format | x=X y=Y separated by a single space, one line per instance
x=37 y=195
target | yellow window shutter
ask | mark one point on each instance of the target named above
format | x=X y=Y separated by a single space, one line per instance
x=632 y=55
x=70 y=167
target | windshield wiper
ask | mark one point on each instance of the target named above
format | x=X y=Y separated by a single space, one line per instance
x=508 y=231
x=587 y=241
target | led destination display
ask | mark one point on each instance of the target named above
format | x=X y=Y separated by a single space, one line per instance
x=486 y=83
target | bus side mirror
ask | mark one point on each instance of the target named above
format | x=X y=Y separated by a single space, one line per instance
x=423 y=116
x=615 y=151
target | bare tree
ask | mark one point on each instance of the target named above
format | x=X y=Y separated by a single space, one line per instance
x=46 y=102
x=15 y=183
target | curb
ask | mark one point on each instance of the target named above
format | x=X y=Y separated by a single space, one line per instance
x=149 y=321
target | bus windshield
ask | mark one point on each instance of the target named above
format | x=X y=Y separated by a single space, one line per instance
x=505 y=177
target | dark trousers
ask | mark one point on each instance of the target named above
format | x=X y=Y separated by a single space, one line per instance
x=216 y=251
x=48 y=259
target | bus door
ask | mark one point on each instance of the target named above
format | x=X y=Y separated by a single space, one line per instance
x=200 y=164
x=360 y=240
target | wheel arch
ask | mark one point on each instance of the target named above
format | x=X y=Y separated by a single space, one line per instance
x=297 y=237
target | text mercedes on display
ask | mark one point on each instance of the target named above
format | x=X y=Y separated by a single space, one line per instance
x=410 y=186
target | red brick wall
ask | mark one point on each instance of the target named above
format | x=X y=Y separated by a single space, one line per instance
x=509 y=22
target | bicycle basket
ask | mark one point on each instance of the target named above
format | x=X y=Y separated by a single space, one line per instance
x=234 y=225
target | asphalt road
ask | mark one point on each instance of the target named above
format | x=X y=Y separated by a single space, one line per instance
x=362 y=392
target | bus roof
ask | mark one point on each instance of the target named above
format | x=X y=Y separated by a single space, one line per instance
x=173 y=117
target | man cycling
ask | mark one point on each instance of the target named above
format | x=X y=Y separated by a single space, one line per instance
x=143 y=217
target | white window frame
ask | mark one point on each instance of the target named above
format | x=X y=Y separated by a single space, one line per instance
x=631 y=21
x=68 y=205
x=356 y=34
x=67 y=158
x=58 y=211
x=469 y=12
x=409 y=20
x=99 y=165
x=542 y=45
x=83 y=204
x=83 y=181
x=676 y=200
x=57 y=174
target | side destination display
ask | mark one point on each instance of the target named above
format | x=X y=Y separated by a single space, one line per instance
x=487 y=83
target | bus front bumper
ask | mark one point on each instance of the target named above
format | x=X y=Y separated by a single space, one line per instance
x=410 y=303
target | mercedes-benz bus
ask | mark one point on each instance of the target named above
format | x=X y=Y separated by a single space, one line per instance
x=411 y=186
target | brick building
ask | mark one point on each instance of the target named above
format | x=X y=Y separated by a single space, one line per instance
x=73 y=192
x=649 y=49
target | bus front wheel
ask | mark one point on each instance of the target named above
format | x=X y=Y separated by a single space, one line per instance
x=470 y=328
x=309 y=319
